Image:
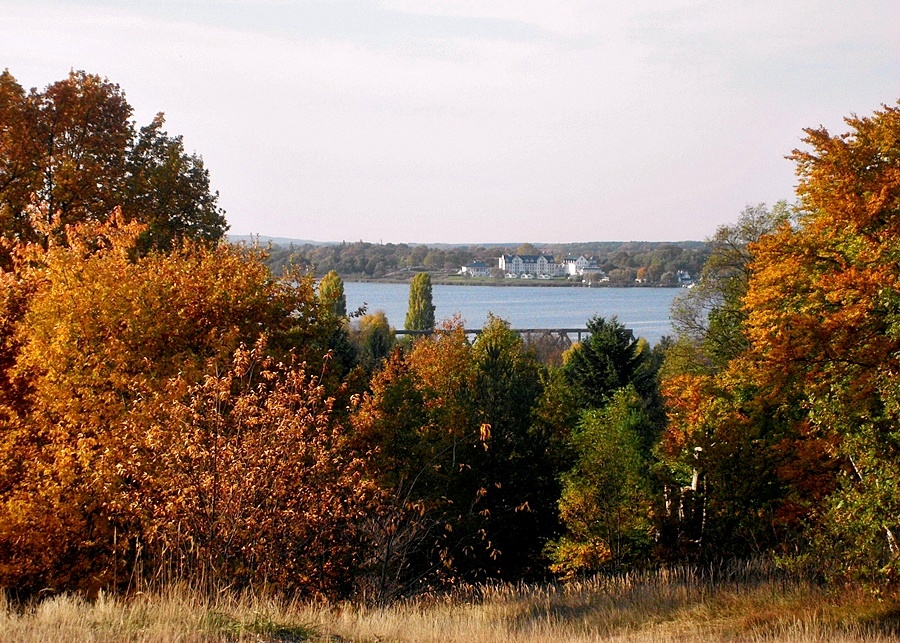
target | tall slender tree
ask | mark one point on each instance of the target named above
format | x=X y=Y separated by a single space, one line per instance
x=420 y=315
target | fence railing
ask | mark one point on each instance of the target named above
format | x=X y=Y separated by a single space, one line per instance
x=528 y=334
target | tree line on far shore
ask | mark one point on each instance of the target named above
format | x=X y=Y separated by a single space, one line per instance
x=173 y=411
x=654 y=263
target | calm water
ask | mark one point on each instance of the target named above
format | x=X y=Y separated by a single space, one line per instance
x=644 y=310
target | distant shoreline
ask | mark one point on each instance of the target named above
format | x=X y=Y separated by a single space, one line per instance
x=504 y=283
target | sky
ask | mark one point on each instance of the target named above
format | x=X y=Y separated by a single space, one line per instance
x=476 y=121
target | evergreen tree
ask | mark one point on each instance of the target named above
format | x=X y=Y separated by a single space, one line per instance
x=420 y=315
x=607 y=360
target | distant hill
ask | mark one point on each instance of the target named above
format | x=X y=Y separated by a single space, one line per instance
x=279 y=241
x=588 y=246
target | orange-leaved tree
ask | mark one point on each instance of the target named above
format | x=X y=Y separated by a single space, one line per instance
x=823 y=310
x=105 y=351
x=418 y=427
x=742 y=466
x=248 y=478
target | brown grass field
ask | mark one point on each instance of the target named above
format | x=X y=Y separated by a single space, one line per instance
x=672 y=606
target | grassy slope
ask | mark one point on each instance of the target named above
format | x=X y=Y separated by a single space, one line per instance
x=674 y=607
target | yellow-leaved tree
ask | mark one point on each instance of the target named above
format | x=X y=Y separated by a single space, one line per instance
x=142 y=438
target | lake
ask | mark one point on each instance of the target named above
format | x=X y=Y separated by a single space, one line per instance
x=644 y=310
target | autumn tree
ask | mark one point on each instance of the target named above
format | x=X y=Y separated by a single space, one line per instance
x=249 y=479
x=17 y=181
x=75 y=136
x=741 y=469
x=421 y=433
x=105 y=353
x=823 y=310
x=472 y=471
x=70 y=154
x=420 y=315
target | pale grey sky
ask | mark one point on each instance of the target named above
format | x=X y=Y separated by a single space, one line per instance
x=478 y=120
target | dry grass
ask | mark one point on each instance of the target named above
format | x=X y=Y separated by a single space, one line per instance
x=678 y=606
x=174 y=615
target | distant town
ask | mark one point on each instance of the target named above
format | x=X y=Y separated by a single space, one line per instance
x=541 y=266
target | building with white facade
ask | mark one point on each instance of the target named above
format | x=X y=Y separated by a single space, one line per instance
x=534 y=265
x=476 y=269
x=545 y=265
x=578 y=265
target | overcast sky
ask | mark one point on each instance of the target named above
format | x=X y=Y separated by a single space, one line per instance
x=478 y=120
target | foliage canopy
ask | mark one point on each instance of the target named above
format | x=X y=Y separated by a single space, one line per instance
x=69 y=154
x=170 y=410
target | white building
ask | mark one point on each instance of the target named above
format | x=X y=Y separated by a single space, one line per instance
x=533 y=265
x=476 y=269
x=578 y=265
